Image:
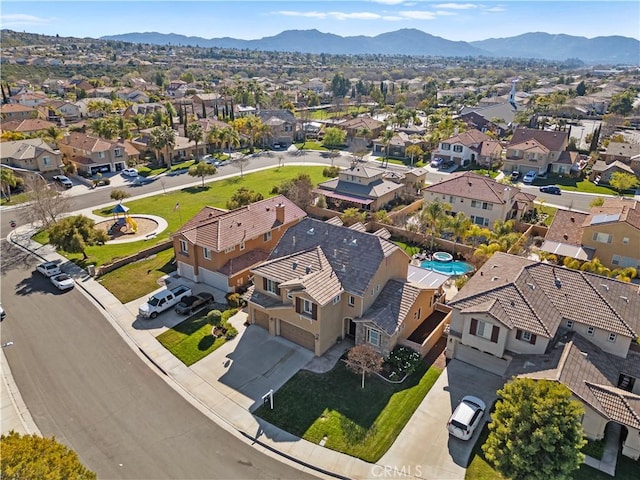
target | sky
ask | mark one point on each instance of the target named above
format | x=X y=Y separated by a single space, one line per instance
x=451 y=19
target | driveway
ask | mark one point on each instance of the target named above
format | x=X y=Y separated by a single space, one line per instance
x=424 y=448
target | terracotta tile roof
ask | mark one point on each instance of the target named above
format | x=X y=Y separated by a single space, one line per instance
x=361 y=123
x=26 y=125
x=566 y=227
x=489 y=147
x=553 y=141
x=568 y=158
x=530 y=146
x=243 y=262
x=536 y=296
x=473 y=186
x=622 y=149
x=221 y=230
x=24 y=149
x=81 y=141
x=15 y=108
x=615 y=210
x=468 y=138
x=390 y=309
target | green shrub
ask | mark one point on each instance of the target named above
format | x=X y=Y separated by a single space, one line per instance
x=331 y=172
x=404 y=359
x=231 y=331
x=235 y=300
x=214 y=317
x=227 y=314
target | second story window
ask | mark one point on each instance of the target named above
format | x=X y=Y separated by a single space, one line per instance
x=485 y=330
x=117 y=152
x=184 y=247
x=445 y=146
x=101 y=154
x=612 y=337
x=206 y=253
x=307 y=306
x=271 y=286
x=457 y=148
x=267 y=236
x=590 y=331
x=602 y=237
x=352 y=300
x=46 y=161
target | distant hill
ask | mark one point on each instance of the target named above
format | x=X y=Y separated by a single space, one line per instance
x=613 y=50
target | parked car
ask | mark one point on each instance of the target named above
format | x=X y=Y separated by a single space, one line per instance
x=130 y=172
x=192 y=303
x=515 y=176
x=63 y=180
x=436 y=162
x=551 y=189
x=49 y=269
x=530 y=176
x=208 y=158
x=63 y=281
x=2 y=313
x=466 y=417
x=220 y=163
x=140 y=180
x=163 y=300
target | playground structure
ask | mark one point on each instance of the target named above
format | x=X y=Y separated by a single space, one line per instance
x=123 y=223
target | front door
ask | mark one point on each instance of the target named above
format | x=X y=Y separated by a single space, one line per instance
x=351 y=328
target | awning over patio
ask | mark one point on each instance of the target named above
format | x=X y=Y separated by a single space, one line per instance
x=340 y=196
x=566 y=250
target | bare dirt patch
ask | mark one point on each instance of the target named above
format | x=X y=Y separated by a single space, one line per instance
x=145 y=226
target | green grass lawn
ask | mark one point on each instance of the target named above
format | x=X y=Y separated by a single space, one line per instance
x=362 y=423
x=550 y=211
x=311 y=145
x=140 y=278
x=409 y=249
x=191 y=201
x=571 y=184
x=15 y=199
x=149 y=171
x=191 y=340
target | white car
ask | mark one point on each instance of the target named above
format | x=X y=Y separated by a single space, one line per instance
x=530 y=176
x=466 y=417
x=130 y=172
x=436 y=162
x=2 y=312
x=63 y=281
x=48 y=269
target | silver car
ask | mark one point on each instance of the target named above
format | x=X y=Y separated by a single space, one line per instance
x=466 y=417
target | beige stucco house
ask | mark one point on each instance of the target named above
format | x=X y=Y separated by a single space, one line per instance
x=542 y=151
x=521 y=317
x=32 y=154
x=92 y=155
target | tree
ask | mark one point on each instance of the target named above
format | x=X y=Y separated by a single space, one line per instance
x=381 y=216
x=623 y=181
x=243 y=196
x=195 y=134
x=536 y=431
x=8 y=180
x=458 y=226
x=433 y=214
x=597 y=202
x=75 y=234
x=414 y=151
x=46 y=204
x=581 y=89
x=39 y=458
x=202 y=170
x=119 y=195
x=364 y=360
x=163 y=138
x=351 y=216
x=299 y=190
x=334 y=138
x=340 y=85
x=387 y=135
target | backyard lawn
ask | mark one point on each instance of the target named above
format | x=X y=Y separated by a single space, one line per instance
x=190 y=201
x=362 y=423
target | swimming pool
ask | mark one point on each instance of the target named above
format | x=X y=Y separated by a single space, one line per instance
x=455 y=267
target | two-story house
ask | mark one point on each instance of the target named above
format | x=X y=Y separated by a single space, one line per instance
x=610 y=232
x=323 y=282
x=282 y=126
x=219 y=247
x=516 y=316
x=93 y=155
x=360 y=131
x=361 y=187
x=480 y=198
x=31 y=154
x=462 y=148
x=16 y=111
x=542 y=151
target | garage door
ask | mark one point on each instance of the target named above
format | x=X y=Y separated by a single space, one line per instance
x=185 y=270
x=475 y=357
x=215 y=279
x=261 y=319
x=297 y=335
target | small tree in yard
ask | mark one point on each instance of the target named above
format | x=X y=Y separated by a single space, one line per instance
x=351 y=216
x=202 y=170
x=536 y=431
x=364 y=360
x=623 y=181
x=75 y=234
x=119 y=195
x=46 y=205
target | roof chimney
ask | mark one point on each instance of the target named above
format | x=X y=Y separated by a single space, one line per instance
x=280 y=213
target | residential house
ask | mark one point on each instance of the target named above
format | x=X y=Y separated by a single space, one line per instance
x=396 y=146
x=480 y=198
x=206 y=102
x=610 y=232
x=516 y=316
x=32 y=154
x=177 y=89
x=282 y=126
x=61 y=111
x=93 y=155
x=78 y=86
x=323 y=282
x=143 y=109
x=498 y=118
x=358 y=186
x=601 y=172
x=462 y=148
x=542 y=151
x=626 y=153
x=28 y=126
x=361 y=130
x=14 y=111
x=219 y=247
x=29 y=99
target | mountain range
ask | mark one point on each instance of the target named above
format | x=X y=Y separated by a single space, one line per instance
x=611 y=50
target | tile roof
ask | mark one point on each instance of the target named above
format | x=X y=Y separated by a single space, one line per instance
x=473 y=186
x=361 y=123
x=247 y=260
x=372 y=190
x=568 y=158
x=390 y=309
x=219 y=230
x=468 y=138
x=530 y=146
x=26 y=125
x=536 y=296
x=566 y=227
x=626 y=210
x=622 y=149
x=554 y=141
x=24 y=149
x=15 y=107
x=87 y=143
x=354 y=256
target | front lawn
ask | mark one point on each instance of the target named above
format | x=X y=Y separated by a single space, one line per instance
x=150 y=171
x=571 y=184
x=362 y=423
x=139 y=278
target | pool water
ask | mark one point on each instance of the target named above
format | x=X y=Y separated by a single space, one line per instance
x=455 y=267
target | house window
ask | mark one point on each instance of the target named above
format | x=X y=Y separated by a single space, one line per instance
x=352 y=300
x=483 y=222
x=184 y=247
x=373 y=337
x=206 y=253
x=475 y=203
x=267 y=236
x=590 y=331
x=445 y=146
x=289 y=295
x=484 y=330
x=452 y=199
x=625 y=240
x=602 y=237
x=101 y=154
x=457 y=148
x=526 y=336
x=615 y=260
x=230 y=249
x=271 y=286
x=307 y=306
x=487 y=206
x=612 y=337
x=336 y=299
x=117 y=152
x=47 y=161
x=570 y=324
x=418 y=314
x=241 y=245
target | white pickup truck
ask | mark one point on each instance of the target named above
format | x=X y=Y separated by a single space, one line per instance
x=163 y=300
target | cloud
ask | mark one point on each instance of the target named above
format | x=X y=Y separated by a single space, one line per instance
x=333 y=15
x=495 y=9
x=22 y=20
x=457 y=6
x=418 y=14
x=389 y=2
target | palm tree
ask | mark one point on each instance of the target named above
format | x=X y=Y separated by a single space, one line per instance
x=161 y=138
x=595 y=266
x=230 y=137
x=52 y=135
x=458 y=225
x=213 y=137
x=195 y=134
x=387 y=135
x=8 y=180
x=485 y=251
x=433 y=214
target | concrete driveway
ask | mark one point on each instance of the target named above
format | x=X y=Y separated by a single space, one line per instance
x=424 y=448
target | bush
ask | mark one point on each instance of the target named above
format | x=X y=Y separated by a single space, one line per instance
x=231 y=331
x=227 y=314
x=538 y=241
x=235 y=300
x=214 y=317
x=331 y=172
x=404 y=359
x=321 y=203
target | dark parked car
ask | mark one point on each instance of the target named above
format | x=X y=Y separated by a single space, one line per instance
x=551 y=189
x=192 y=303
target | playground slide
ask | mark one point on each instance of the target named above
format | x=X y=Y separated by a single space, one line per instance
x=132 y=224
